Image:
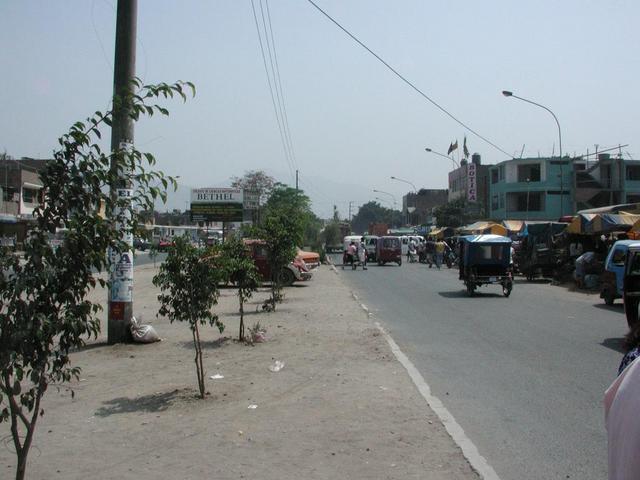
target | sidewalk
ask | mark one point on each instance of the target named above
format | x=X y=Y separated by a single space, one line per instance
x=341 y=408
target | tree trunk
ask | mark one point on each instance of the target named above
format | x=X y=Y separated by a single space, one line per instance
x=241 y=335
x=198 y=359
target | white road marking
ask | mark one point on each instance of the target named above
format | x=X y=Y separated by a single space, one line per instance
x=469 y=450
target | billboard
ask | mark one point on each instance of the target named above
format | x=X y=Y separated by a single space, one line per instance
x=216 y=204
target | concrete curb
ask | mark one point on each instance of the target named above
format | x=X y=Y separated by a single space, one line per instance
x=453 y=428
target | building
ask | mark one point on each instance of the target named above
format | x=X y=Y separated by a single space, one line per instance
x=21 y=193
x=470 y=182
x=417 y=207
x=530 y=189
x=549 y=188
x=607 y=181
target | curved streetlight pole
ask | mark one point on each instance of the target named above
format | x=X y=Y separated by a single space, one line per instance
x=387 y=193
x=415 y=191
x=507 y=93
x=455 y=164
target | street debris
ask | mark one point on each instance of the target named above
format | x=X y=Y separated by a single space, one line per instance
x=143 y=333
x=253 y=406
x=217 y=376
x=277 y=366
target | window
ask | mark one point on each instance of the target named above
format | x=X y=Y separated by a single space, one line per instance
x=531 y=202
x=633 y=172
x=494 y=202
x=529 y=171
x=501 y=169
x=502 y=200
x=29 y=195
x=618 y=258
x=494 y=175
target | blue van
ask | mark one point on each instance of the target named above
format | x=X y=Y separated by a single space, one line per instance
x=612 y=281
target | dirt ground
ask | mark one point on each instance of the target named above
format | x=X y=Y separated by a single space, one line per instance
x=342 y=406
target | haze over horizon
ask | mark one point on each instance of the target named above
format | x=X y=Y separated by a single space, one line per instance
x=351 y=123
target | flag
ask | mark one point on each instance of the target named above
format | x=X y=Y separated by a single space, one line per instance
x=452 y=147
x=465 y=151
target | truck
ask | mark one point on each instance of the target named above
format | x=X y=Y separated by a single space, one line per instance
x=378 y=229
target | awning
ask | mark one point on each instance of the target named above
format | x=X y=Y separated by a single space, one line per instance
x=513 y=226
x=479 y=228
x=581 y=224
x=610 y=222
x=32 y=185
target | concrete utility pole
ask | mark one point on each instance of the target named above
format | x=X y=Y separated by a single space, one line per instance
x=296 y=180
x=121 y=275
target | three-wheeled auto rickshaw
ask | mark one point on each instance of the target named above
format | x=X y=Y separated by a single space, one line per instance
x=631 y=290
x=388 y=249
x=484 y=260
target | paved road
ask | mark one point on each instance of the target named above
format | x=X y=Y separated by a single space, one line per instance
x=523 y=376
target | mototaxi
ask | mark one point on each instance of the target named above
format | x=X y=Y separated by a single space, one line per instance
x=388 y=249
x=485 y=260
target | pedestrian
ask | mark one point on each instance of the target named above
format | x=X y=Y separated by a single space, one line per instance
x=429 y=251
x=621 y=407
x=440 y=247
x=362 y=255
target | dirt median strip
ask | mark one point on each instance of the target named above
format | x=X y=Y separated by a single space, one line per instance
x=340 y=407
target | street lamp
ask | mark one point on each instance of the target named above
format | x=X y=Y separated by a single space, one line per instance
x=507 y=93
x=415 y=191
x=387 y=193
x=455 y=164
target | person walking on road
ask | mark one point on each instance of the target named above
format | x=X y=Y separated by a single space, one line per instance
x=429 y=251
x=439 y=247
x=362 y=255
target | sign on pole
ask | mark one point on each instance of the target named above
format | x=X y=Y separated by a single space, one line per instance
x=216 y=205
x=472 y=183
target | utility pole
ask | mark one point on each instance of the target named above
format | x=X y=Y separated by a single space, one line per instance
x=350 y=203
x=296 y=180
x=121 y=275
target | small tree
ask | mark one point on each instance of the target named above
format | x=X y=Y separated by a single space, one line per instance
x=242 y=272
x=45 y=312
x=188 y=282
x=282 y=232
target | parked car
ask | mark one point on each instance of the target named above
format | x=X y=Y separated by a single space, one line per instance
x=631 y=284
x=141 y=244
x=311 y=259
x=296 y=271
x=612 y=279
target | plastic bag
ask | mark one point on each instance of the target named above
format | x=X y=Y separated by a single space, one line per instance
x=143 y=333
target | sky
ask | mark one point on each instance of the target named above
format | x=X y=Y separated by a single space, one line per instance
x=352 y=123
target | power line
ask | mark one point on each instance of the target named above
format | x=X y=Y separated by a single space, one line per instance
x=279 y=84
x=273 y=100
x=405 y=80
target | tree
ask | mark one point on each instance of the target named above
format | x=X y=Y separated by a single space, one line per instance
x=188 y=281
x=256 y=180
x=452 y=214
x=373 y=212
x=241 y=272
x=45 y=311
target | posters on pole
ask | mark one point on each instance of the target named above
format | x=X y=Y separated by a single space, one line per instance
x=121 y=289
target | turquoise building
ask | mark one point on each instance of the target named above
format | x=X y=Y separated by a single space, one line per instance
x=530 y=189
x=549 y=188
